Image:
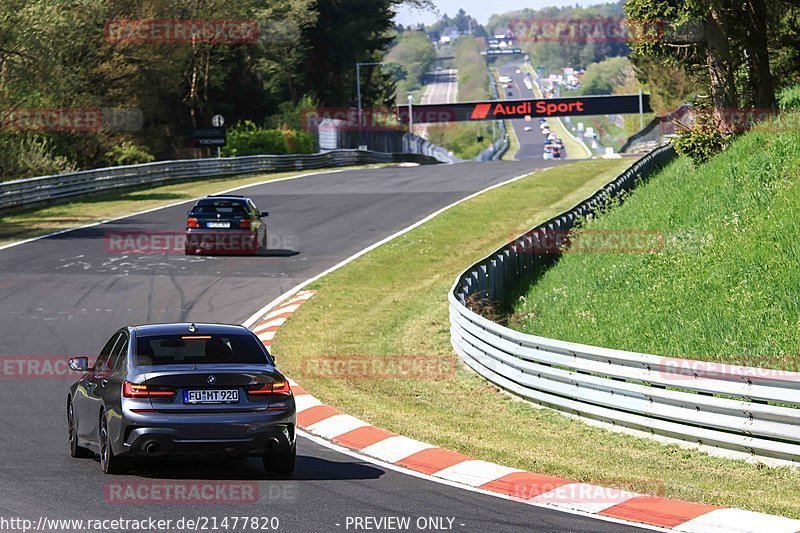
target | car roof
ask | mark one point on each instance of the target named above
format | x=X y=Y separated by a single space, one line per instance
x=228 y=196
x=182 y=328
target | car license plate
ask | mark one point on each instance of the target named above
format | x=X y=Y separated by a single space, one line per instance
x=219 y=225
x=211 y=396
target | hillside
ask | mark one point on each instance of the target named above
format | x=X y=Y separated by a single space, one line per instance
x=721 y=287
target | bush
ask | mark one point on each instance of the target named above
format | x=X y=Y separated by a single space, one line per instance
x=248 y=139
x=299 y=142
x=128 y=153
x=789 y=98
x=30 y=156
x=703 y=139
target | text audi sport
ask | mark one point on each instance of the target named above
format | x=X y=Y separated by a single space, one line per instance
x=181 y=389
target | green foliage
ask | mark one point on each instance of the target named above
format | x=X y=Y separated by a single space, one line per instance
x=461 y=138
x=568 y=52
x=473 y=84
x=292 y=115
x=789 y=98
x=30 y=155
x=604 y=77
x=703 y=139
x=248 y=139
x=57 y=57
x=719 y=286
x=409 y=60
x=128 y=153
x=473 y=76
x=739 y=52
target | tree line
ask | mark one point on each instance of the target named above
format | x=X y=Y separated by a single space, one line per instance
x=89 y=54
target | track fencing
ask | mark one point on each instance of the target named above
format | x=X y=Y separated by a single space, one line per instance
x=756 y=411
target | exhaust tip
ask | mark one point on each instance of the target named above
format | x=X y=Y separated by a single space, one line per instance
x=152 y=448
x=272 y=444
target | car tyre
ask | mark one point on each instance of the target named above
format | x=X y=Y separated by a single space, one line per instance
x=74 y=449
x=281 y=464
x=110 y=463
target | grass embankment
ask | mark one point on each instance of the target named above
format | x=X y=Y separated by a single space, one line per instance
x=724 y=285
x=393 y=301
x=473 y=84
x=575 y=149
x=20 y=225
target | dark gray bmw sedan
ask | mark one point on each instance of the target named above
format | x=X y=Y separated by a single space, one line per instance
x=182 y=389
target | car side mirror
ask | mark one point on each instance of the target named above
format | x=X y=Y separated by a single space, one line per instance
x=263 y=214
x=79 y=364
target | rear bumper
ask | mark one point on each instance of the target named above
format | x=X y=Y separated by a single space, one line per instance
x=242 y=434
x=230 y=242
x=160 y=442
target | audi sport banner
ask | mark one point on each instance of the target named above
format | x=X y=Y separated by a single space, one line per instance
x=511 y=109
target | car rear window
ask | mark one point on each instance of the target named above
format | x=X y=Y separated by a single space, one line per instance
x=220 y=207
x=198 y=349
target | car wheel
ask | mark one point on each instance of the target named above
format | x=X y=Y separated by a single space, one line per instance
x=74 y=449
x=281 y=464
x=110 y=463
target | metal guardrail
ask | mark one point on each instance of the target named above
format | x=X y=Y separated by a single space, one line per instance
x=656 y=133
x=749 y=410
x=32 y=191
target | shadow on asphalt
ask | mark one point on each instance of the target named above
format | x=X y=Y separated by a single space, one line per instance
x=307 y=469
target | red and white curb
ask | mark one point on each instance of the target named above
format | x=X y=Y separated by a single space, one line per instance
x=536 y=489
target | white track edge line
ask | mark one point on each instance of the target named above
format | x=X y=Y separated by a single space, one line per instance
x=261 y=312
x=138 y=213
x=389 y=466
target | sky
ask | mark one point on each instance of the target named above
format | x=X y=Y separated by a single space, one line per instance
x=480 y=9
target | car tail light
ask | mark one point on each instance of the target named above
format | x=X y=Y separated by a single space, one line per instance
x=135 y=390
x=245 y=224
x=276 y=388
x=192 y=222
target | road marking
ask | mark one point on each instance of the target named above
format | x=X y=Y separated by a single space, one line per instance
x=182 y=202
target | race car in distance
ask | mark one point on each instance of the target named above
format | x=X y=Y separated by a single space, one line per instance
x=181 y=390
x=225 y=225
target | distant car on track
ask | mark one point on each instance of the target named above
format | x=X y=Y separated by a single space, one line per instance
x=225 y=225
x=528 y=128
x=181 y=390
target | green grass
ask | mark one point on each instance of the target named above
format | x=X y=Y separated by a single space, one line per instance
x=393 y=302
x=461 y=137
x=25 y=224
x=723 y=287
x=513 y=143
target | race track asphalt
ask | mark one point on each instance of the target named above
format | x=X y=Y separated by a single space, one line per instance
x=66 y=294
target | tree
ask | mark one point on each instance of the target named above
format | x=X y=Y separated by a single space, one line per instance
x=728 y=45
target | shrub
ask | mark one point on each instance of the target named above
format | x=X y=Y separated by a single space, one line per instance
x=299 y=142
x=789 y=98
x=703 y=139
x=248 y=139
x=31 y=155
x=128 y=153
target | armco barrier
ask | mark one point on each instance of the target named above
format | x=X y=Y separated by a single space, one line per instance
x=26 y=192
x=749 y=410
